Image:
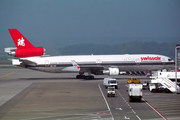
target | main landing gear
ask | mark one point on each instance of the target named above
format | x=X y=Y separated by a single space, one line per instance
x=88 y=77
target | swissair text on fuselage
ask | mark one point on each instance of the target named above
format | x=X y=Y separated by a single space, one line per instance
x=150 y=58
x=142 y=59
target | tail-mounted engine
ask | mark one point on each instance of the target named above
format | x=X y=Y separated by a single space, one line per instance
x=27 y=52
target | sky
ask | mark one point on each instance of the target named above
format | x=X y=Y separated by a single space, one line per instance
x=55 y=23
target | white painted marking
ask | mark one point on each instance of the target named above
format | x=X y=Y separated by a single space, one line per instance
x=129 y=107
x=133 y=111
x=126 y=117
x=138 y=117
x=106 y=102
x=119 y=109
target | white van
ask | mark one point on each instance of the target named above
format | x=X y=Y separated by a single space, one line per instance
x=110 y=82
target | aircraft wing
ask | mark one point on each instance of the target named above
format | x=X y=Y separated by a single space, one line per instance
x=85 y=68
x=92 y=68
x=99 y=69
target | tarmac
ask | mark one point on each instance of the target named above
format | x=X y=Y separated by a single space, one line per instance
x=33 y=95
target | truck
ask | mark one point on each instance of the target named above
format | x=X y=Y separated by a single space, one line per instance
x=110 y=91
x=133 y=80
x=135 y=92
x=165 y=82
x=152 y=87
x=158 y=88
x=110 y=82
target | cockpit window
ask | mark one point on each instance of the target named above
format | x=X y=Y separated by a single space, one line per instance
x=169 y=59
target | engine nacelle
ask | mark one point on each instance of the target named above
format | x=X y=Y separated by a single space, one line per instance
x=111 y=71
x=27 y=52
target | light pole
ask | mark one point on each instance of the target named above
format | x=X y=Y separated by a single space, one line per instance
x=177 y=47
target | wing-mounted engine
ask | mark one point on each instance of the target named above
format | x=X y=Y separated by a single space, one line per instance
x=111 y=71
x=26 y=52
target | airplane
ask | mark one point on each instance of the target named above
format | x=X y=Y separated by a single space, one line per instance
x=34 y=58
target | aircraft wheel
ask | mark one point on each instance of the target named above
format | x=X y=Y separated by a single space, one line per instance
x=81 y=77
x=87 y=77
x=91 y=77
x=77 y=76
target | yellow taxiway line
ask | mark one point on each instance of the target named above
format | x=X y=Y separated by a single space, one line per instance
x=7 y=74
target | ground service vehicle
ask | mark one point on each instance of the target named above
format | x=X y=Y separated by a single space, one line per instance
x=135 y=92
x=159 y=88
x=133 y=80
x=145 y=85
x=110 y=91
x=152 y=87
x=110 y=82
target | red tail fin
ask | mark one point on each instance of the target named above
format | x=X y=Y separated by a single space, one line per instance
x=20 y=41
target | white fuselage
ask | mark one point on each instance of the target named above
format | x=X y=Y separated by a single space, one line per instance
x=85 y=63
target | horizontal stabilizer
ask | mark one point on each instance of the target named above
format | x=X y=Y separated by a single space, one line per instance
x=28 y=62
x=16 y=62
x=9 y=49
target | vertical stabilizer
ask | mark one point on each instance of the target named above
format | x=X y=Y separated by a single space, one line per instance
x=19 y=40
